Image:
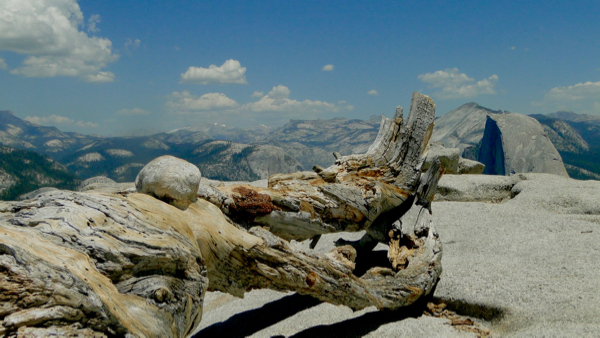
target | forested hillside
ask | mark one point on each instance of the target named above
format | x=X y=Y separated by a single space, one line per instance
x=23 y=171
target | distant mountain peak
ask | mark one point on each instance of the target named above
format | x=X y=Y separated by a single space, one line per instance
x=565 y=115
x=574 y=117
x=475 y=105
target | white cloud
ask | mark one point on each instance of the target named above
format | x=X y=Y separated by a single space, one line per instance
x=82 y=124
x=258 y=94
x=277 y=100
x=52 y=119
x=100 y=77
x=580 y=91
x=279 y=92
x=513 y=47
x=185 y=102
x=3 y=64
x=47 y=32
x=56 y=119
x=132 y=43
x=583 y=97
x=230 y=72
x=327 y=68
x=373 y=92
x=134 y=111
x=275 y=107
x=92 y=21
x=456 y=85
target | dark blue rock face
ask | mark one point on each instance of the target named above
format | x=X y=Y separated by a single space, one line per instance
x=491 y=152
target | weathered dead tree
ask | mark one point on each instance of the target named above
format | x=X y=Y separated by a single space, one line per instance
x=368 y=192
x=382 y=192
x=128 y=264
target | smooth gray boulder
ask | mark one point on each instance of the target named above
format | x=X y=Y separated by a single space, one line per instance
x=477 y=188
x=470 y=167
x=451 y=160
x=448 y=157
x=94 y=180
x=35 y=193
x=112 y=188
x=515 y=143
x=170 y=179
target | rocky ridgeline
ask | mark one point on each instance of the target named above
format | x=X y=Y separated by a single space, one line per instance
x=577 y=139
x=313 y=141
x=18 y=133
x=228 y=153
x=515 y=143
x=229 y=161
x=506 y=143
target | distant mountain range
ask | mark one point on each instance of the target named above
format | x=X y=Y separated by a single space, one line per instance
x=505 y=142
x=221 y=152
x=577 y=138
x=228 y=153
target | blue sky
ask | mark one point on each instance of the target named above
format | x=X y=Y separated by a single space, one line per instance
x=112 y=67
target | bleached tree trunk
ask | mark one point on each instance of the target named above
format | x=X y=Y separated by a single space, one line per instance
x=94 y=265
x=359 y=192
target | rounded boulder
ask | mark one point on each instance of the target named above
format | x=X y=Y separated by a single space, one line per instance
x=171 y=180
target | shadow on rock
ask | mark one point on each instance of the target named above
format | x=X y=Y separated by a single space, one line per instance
x=247 y=323
x=365 y=324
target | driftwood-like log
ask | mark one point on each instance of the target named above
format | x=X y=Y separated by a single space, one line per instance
x=93 y=264
x=97 y=264
x=382 y=192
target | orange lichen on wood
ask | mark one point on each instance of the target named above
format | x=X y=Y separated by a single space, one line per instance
x=249 y=204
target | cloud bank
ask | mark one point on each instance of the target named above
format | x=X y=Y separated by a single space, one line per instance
x=56 y=119
x=277 y=100
x=276 y=105
x=457 y=85
x=229 y=72
x=47 y=32
x=577 y=92
x=584 y=97
x=185 y=102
